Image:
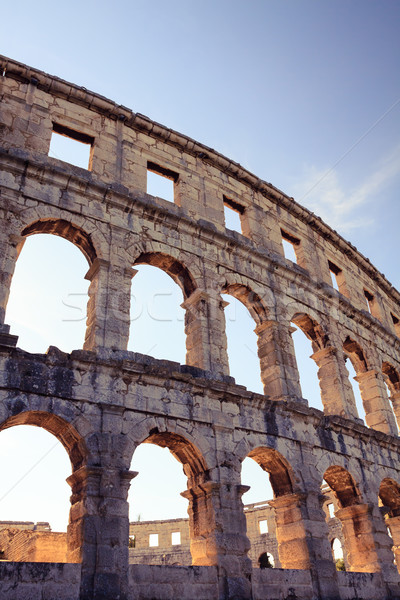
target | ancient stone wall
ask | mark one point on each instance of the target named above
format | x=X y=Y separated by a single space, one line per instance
x=102 y=401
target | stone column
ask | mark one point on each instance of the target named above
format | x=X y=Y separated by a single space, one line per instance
x=108 y=312
x=395 y=400
x=394 y=525
x=98 y=531
x=358 y=532
x=279 y=372
x=218 y=534
x=378 y=412
x=10 y=246
x=302 y=536
x=9 y=250
x=333 y=394
x=206 y=345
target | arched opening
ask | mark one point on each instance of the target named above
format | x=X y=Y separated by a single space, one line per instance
x=169 y=525
x=378 y=411
x=360 y=553
x=266 y=561
x=337 y=553
x=49 y=293
x=356 y=365
x=159 y=287
x=244 y=308
x=308 y=339
x=38 y=521
x=389 y=499
x=260 y=516
x=269 y=521
x=356 y=389
x=392 y=381
x=342 y=485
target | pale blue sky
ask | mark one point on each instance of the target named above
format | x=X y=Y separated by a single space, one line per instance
x=293 y=90
x=283 y=87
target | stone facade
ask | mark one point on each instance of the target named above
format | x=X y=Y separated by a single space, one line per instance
x=102 y=401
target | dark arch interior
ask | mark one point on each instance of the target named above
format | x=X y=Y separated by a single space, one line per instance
x=391 y=376
x=312 y=330
x=354 y=351
x=66 y=230
x=389 y=493
x=194 y=465
x=175 y=269
x=62 y=430
x=250 y=299
x=271 y=461
x=343 y=486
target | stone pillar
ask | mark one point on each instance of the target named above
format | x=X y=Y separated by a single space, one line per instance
x=98 y=531
x=378 y=412
x=9 y=250
x=218 y=534
x=333 y=394
x=395 y=400
x=108 y=312
x=206 y=345
x=279 y=372
x=358 y=532
x=384 y=546
x=302 y=536
x=394 y=525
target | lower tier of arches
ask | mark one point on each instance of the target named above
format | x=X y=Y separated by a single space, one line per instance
x=102 y=406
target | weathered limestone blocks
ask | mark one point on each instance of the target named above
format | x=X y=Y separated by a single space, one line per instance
x=102 y=402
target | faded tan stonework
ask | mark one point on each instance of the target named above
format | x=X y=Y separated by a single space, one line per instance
x=102 y=401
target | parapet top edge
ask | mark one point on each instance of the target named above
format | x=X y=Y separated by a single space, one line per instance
x=98 y=103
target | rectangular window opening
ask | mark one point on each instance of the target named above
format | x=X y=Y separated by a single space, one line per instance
x=369 y=298
x=335 y=272
x=396 y=324
x=161 y=182
x=132 y=541
x=73 y=147
x=233 y=212
x=331 y=510
x=153 y=540
x=263 y=526
x=176 y=538
x=290 y=245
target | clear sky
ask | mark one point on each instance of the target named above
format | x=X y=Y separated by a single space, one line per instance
x=305 y=94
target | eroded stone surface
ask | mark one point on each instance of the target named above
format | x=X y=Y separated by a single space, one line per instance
x=101 y=402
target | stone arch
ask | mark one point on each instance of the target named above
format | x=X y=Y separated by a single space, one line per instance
x=66 y=433
x=343 y=486
x=185 y=451
x=289 y=505
x=78 y=453
x=173 y=267
x=67 y=230
x=266 y=560
x=392 y=377
x=389 y=497
x=312 y=330
x=249 y=298
x=356 y=354
x=338 y=553
x=389 y=494
x=82 y=242
x=200 y=492
x=356 y=520
x=278 y=468
x=258 y=311
x=378 y=411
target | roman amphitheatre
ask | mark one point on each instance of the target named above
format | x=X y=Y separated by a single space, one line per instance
x=102 y=401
